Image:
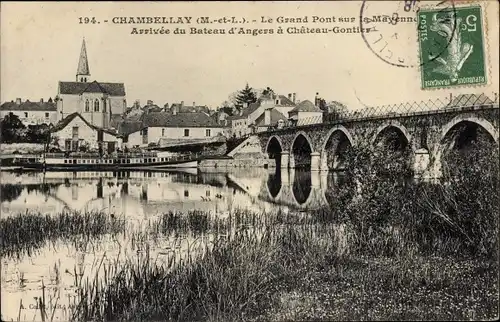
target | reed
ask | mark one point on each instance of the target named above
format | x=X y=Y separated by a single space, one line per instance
x=25 y=232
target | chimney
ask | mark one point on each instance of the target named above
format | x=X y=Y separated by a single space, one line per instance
x=267 y=116
x=194 y=104
x=293 y=97
x=174 y=109
x=182 y=103
x=290 y=96
x=41 y=100
x=149 y=102
x=316 y=99
x=18 y=101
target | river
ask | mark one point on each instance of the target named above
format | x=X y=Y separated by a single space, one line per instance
x=137 y=198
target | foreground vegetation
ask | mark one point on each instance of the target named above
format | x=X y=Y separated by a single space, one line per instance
x=24 y=233
x=386 y=249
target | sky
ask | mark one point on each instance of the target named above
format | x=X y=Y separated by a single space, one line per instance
x=40 y=45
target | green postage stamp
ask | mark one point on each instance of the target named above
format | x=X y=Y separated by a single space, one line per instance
x=452 y=51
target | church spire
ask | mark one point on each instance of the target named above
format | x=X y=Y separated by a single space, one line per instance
x=83 y=72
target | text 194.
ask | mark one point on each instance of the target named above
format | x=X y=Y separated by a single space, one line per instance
x=87 y=20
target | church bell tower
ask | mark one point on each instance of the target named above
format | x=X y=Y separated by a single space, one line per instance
x=83 y=72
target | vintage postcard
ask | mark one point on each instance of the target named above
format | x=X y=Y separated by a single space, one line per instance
x=249 y=161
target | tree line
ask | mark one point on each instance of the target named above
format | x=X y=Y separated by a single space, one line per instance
x=241 y=99
x=14 y=131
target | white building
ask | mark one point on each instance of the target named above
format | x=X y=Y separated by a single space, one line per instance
x=31 y=113
x=74 y=131
x=253 y=118
x=306 y=113
x=167 y=127
x=96 y=101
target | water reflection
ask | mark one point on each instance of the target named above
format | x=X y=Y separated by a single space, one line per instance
x=303 y=189
x=147 y=193
x=139 y=197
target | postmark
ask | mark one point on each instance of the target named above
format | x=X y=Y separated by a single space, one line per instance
x=393 y=29
x=451 y=57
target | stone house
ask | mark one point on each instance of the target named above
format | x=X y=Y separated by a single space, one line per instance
x=31 y=113
x=74 y=131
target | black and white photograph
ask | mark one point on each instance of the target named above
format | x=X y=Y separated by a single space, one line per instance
x=249 y=160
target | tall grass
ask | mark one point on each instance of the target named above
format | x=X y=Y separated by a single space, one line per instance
x=25 y=232
x=424 y=250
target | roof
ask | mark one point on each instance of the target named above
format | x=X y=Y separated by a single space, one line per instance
x=187 y=108
x=67 y=120
x=116 y=120
x=306 y=106
x=275 y=117
x=77 y=88
x=285 y=101
x=29 y=106
x=166 y=119
x=83 y=64
x=470 y=100
x=128 y=127
x=246 y=111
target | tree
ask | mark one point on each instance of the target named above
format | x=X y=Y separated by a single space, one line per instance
x=246 y=96
x=12 y=128
x=37 y=133
x=268 y=92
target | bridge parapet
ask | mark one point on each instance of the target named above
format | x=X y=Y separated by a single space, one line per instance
x=417 y=125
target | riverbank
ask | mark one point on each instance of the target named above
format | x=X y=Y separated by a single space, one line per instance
x=293 y=269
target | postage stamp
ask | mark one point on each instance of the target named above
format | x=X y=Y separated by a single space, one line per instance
x=452 y=47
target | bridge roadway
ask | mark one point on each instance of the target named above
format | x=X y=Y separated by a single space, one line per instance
x=428 y=134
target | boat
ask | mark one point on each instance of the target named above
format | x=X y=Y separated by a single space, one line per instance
x=114 y=162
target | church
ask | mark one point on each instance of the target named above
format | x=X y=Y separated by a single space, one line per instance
x=85 y=108
x=95 y=101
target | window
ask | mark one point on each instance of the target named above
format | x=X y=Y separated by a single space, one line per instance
x=186 y=132
x=46 y=115
x=75 y=132
x=162 y=132
x=207 y=132
x=96 y=105
x=186 y=193
x=104 y=105
x=87 y=106
x=207 y=193
x=25 y=114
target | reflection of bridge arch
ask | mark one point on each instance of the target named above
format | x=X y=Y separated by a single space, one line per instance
x=310 y=196
x=274 y=147
x=274 y=185
x=401 y=135
x=300 y=150
x=335 y=147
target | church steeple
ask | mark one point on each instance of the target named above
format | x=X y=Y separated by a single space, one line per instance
x=83 y=72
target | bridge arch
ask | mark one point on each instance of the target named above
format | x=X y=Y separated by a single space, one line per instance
x=274 y=147
x=398 y=132
x=458 y=141
x=300 y=150
x=335 y=147
x=471 y=119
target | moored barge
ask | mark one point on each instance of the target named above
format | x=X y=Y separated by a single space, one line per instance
x=94 y=161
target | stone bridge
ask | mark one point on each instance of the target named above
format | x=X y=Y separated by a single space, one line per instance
x=428 y=135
